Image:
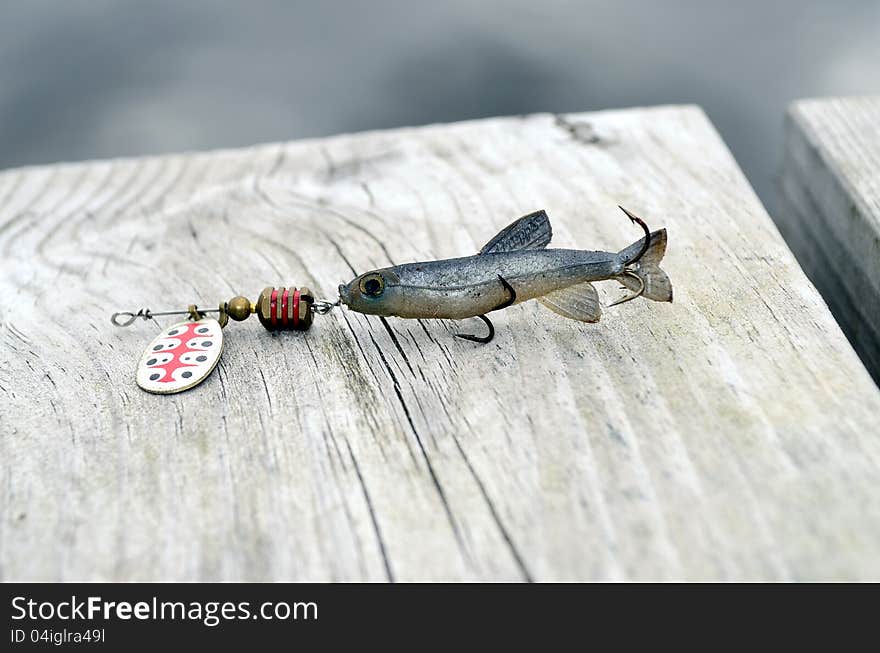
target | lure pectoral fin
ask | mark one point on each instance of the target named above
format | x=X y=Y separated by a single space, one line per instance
x=579 y=302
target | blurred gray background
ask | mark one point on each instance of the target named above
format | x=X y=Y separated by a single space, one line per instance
x=84 y=79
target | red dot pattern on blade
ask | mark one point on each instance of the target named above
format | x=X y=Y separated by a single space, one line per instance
x=177 y=352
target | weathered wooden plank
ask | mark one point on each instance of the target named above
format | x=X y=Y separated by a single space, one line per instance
x=831 y=210
x=730 y=435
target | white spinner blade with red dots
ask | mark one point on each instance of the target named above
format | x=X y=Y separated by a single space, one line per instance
x=182 y=356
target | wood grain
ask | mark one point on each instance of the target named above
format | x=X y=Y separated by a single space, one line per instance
x=831 y=210
x=730 y=435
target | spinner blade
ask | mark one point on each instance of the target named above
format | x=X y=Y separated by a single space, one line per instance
x=181 y=357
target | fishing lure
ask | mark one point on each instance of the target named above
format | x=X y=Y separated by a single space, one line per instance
x=515 y=266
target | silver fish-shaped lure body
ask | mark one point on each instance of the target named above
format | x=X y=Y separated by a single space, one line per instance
x=513 y=267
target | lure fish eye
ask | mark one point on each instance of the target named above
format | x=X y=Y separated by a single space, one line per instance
x=372 y=285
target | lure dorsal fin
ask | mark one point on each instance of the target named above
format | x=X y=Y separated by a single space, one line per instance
x=579 y=302
x=532 y=231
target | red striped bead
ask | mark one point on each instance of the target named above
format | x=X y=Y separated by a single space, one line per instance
x=278 y=309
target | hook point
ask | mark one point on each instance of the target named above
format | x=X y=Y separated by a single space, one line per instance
x=480 y=339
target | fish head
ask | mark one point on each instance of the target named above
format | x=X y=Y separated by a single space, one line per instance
x=375 y=293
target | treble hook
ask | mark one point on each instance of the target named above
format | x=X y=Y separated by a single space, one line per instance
x=629 y=273
x=636 y=219
x=507 y=302
x=510 y=291
x=633 y=296
x=481 y=339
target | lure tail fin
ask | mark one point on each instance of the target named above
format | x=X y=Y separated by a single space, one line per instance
x=658 y=287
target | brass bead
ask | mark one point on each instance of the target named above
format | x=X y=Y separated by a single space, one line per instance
x=239 y=308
